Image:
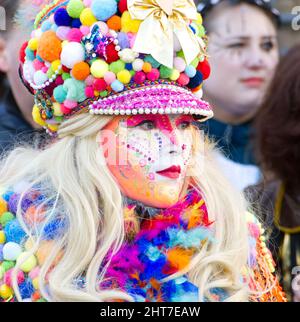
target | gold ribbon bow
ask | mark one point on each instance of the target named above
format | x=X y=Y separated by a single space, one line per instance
x=161 y=20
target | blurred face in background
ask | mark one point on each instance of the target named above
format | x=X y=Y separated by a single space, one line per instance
x=243 y=52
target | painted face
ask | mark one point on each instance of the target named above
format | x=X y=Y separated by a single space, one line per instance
x=149 y=156
x=243 y=53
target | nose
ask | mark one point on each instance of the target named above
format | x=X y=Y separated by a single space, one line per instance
x=255 y=58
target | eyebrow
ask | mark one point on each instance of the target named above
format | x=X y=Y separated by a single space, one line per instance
x=247 y=38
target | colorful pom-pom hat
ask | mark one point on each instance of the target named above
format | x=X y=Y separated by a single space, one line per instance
x=116 y=57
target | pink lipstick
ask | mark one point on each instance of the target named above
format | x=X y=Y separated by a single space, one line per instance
x=172 y=172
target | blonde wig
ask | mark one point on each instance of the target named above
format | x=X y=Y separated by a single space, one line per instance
x=72 y=173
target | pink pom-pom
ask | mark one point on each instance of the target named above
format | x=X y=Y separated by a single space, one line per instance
x=38 y=65
x=87 y=3
x=59 y=80
x=34 y=273
x=89 y=91
x=75 y=35
x=65 y=110
x=70 y=104
x=8 y=277
x=45 y=69
x=89 y=81
x=179 y=64
x=85 y=30
x=109 y=77
x=131 y=37
x=153 y=75
x=100 y=85
x=139 y=77
x=183 y=79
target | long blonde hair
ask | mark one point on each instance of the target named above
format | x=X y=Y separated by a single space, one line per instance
x=72 y=173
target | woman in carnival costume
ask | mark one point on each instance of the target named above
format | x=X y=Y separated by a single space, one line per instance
x=127 y=203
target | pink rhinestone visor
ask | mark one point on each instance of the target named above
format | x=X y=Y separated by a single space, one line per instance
x=153 y=99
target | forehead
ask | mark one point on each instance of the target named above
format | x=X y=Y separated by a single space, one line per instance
x=242 y=21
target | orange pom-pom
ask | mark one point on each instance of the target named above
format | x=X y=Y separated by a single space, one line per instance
x=114 y=23
x=81 y=71
x=49 y=46
x=147 y=67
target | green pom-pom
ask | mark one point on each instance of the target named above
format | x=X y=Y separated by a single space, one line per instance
x=7 y=265
x=117 y=66
x=59 y=119
x=74 y=8
x=152 y=61
x=6 y=217
x=165 y=72
x=201 y=32
x=104 y=93
x=132 y=73
x=60 y=94
x=50 y=73
x=75 y=90
x=66 y=76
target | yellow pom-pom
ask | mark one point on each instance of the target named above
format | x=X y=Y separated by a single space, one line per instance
x=87 y=17
x=128 y=24
x=2 y=237
x=124 y=76
x=29 y=244
x=99 y=68
x=53 y=127
x=199 y=19
x=175 y=75
x=29 y=263
x=64 y=43
x=96 y=93
x=35 y=283
x=3 y=206
x=57 y=110
x=37 y=116
x=5 y=291
x=55 y=65
x=33 y=44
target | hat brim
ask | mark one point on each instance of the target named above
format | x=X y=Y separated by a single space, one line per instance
x=155 y=99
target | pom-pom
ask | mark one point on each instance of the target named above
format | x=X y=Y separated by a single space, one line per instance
x=81 y=71
x=27 y=261
x=128 y=24
x=204 y=68
x=65 y=110
x=74 y=35
x=49 y=46
x=46 y=25
x=8 y=275
x=26 y=289
x=128 y=55
x=139 y=77
x=123 y=5
x=111 y=53
x=190 y=71
x=89 y=91
x=117 y=86
x=154 y=63
x=89 y=81
x=70 y=104
x=29 y=54
x=39 y=78
x=85 y=30
x=87 y=3
x=117 y=66
x=72 y=53
x=179 y=64
x=60 y=94
x=75 y=90
x=76 y=23
x=123 y=40
x=37 y=64
x=99 y=68
x=196 y=80
x=5 y=291
x=11 y=251
x=74 y=8
x=183 y=79
x=153 y=75
x=137 y=65
x=175 y=75
x=147 y=67
x=124 y=76
x=165 y=72
x=55 y=65
x=33 y=44
x=109 y=77
x=104 y=9
x=114 y=23
x=62 y=18
x=100 y=84
x=87 y=17
x=36 y=115
x=57 y=111
x=14 y=232
x=62 y=32
x=22 y=52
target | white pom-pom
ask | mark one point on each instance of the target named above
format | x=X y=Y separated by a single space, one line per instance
x=137 y=65
x=72 y=53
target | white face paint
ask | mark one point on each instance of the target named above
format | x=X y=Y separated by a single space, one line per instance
x=156 y=150
x=243 y=53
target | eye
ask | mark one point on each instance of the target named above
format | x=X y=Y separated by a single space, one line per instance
x=236 y=45
x=267 y=46
x=184 y=125
x=146 y=125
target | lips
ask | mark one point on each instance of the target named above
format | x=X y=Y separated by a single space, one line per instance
x=253 y=81
x=172 y=172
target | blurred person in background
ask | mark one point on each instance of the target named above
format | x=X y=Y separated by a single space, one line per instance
x=15 y=101
x=243 y=53
x=278 y=136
